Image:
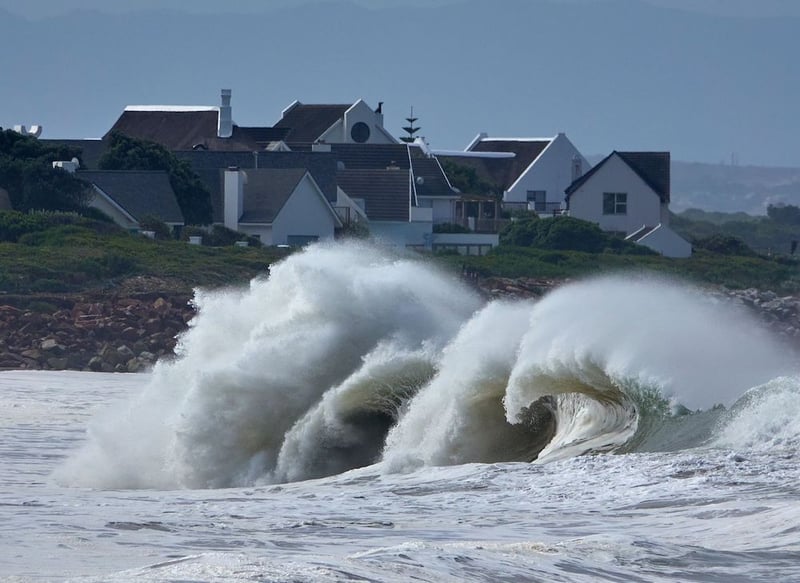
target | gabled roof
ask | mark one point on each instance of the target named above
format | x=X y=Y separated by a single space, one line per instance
x=652 y=167
x=386 y=193
x=266 y=191
x=429 y=178
x=321 y=165
x=307 y=122
x=180 y=128
x=505 y=171
x=139 y=193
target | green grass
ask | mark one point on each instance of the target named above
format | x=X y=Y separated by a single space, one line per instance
x=73 y=258
x=78 y=254
x=779 y=274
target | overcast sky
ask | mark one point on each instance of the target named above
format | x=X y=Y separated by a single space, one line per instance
x=708 y=80
x=48 y=8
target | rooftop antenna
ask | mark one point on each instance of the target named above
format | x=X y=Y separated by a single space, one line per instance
x=410 y=129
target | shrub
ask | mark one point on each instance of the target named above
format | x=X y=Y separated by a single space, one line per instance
x=159 y=227
x=724 y=245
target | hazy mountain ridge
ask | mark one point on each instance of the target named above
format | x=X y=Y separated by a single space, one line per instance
x=726 y=188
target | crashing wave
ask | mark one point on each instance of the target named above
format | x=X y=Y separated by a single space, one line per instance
x=347 y=355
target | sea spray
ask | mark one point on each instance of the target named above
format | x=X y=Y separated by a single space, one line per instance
x=256 y=360
x=347 y=354
x=765 y=418
x=459 y=416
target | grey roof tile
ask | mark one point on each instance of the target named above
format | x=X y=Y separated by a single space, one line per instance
x=307 y=122
x=386 y=193
x=266 y=191
x=139 y=193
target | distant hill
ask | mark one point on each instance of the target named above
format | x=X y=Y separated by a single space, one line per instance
x=726 y=188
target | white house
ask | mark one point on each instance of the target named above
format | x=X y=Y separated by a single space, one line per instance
x=629 y=193
x=532 y=173
x=278 y=206
x=356 y=123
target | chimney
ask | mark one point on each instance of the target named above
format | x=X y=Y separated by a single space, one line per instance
x=577 y=168
x=233 y=197
x=225 y=128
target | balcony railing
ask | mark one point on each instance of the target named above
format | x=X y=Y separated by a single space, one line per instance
x=480 y=225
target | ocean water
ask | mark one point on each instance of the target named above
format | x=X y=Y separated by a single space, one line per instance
x=360 y=416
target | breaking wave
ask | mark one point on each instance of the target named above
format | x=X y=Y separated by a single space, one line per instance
x=347 y=355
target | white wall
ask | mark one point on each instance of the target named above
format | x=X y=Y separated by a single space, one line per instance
x=443 y=208
x=644 y=205
x=101 y=203
x=360 y=111
x=551 y=172
x=466 y=243
x=667 y=242
x=401 y=234
x=233 y=198
x=305 y=214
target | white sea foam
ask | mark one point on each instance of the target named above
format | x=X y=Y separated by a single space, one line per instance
x=765 y=418
x=346 y=353
x=255 y=361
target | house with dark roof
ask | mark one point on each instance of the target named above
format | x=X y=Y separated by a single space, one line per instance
x=356 y=123
x=532 y=173
x=128 y=196
x=629 y=193
x=194 y=127
x=403 y=194
x=279 y=206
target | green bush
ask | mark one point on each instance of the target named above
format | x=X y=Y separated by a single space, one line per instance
x=724 y=245
x=566 y=234
x=159 y=227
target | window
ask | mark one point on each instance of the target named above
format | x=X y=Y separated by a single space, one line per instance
x=539 y=200
x=615 y=203
x=359 y=132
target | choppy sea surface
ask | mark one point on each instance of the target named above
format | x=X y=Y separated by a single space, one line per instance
x=359 y=416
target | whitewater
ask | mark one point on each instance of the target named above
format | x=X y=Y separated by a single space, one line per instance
x=358 y=414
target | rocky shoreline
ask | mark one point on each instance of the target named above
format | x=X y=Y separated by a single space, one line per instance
x=128 y=330
x=90 y=332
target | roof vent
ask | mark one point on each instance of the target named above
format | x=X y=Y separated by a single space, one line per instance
x=420 y=180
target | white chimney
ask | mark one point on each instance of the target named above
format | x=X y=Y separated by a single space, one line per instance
x=233 y=197
x=225 y=129
x=577 y=168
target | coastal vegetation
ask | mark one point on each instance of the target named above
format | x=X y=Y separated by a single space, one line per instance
x=60 y=252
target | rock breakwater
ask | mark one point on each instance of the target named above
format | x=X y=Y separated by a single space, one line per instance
x=127 y=334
